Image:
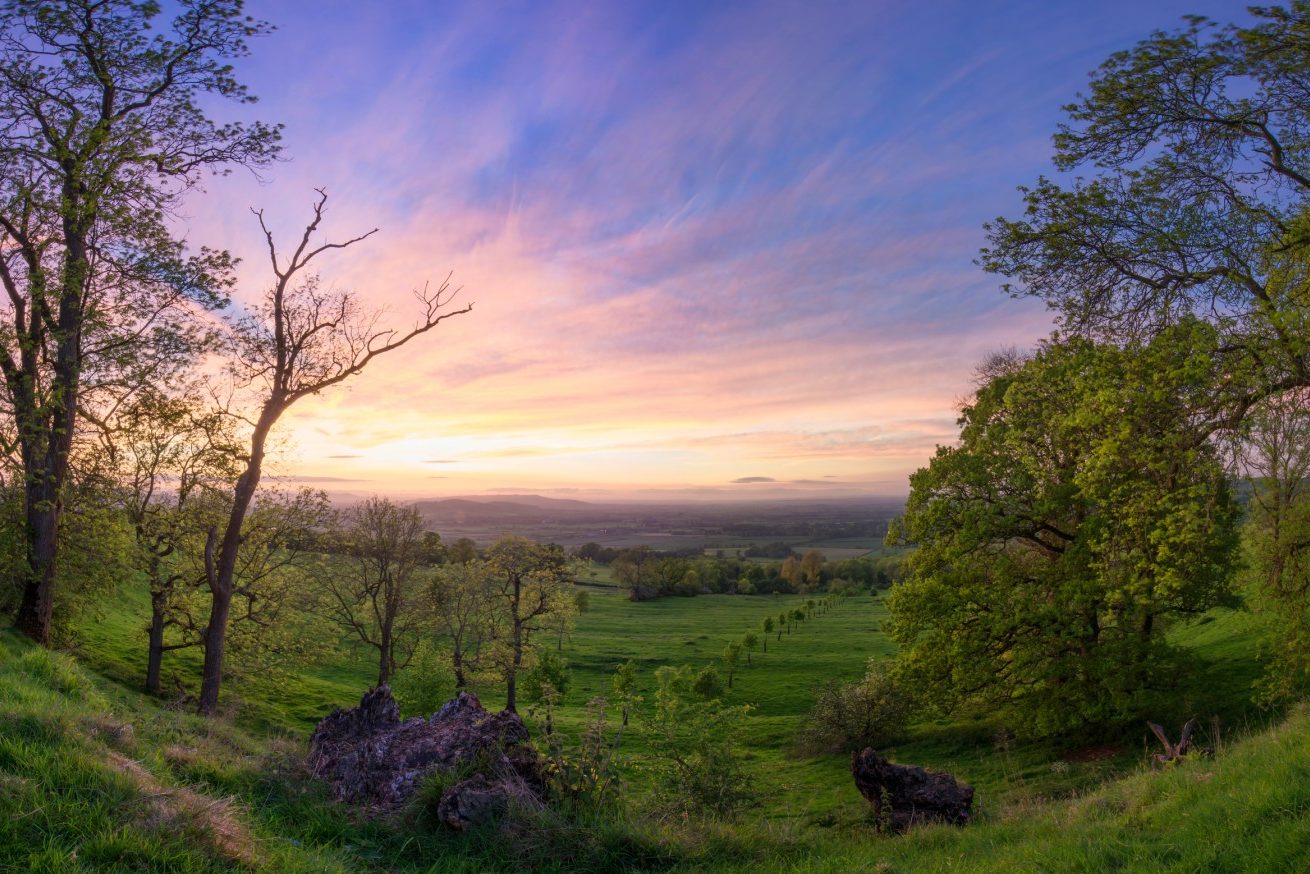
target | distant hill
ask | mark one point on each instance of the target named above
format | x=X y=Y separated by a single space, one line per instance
x=507 y=509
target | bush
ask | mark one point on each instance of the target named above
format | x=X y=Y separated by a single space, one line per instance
x=870 y=713
x=708 y=685
x=698 y=766
x=550 y=669
x=426 y=683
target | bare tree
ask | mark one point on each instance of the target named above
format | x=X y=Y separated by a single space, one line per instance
x=101 y=133
x=373 y=589
x=300 y=341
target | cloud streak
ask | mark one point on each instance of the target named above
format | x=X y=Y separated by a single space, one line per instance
x=699 y=236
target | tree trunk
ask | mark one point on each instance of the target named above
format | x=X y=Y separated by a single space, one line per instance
x=215 y=640
x=46 y=468
x=37 y=606
x=384 y=658
x=222 y=574
x=457 y=666
x=155 y=655
x=511 y=678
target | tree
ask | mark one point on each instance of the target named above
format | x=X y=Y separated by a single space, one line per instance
x=699 y=768
x=624 y=685
x=1080 y=513
x=811 y=569
x=748 y=643
x=460 y=599
x=707 y=684
x=791 y=572
x=783 y=623
x=300 y=341
x=373 y=586
x=274 y=579
x=549 y=672
x=165 y=453
x=102 y=135
x=1198 y=207
x=731 y=658
x=635 y=566
x=767 y=628
x=532 y=582
x=463 y=551
x=1274 y=451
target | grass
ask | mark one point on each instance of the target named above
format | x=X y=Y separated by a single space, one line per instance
x=95 y=776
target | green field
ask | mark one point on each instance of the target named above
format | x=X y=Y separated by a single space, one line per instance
x=810 y=816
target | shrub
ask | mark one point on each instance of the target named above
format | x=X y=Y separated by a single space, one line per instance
x=869 y=713
x=422 y=686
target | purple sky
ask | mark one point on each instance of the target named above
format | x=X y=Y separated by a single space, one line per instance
x=708 y=242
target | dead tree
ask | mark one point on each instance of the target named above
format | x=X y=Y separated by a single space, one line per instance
x=301 y=341
x=1172 y=752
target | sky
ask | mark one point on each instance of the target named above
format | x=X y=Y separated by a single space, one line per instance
x=715 y=250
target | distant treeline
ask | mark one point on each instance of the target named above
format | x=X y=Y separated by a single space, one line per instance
x=649 y=574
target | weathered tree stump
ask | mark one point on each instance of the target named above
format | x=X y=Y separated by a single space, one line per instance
x=904 y=795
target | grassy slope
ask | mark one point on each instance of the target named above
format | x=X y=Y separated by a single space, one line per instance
x=811 y=817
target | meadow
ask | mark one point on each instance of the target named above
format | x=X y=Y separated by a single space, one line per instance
x=68 y=718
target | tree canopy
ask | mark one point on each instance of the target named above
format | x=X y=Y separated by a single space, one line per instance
x=1082 y=509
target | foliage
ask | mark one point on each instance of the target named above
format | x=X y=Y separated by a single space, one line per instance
x=1197 y=206
x=1080 y=512
x=700 y=769
x=872 y=712
x=529 y=585
x=549 y=669
x=460 y=606
x=373 y=591
x=105 y=132
x=425 y=683
x=1275 y=452
x=707 y=684
x=588 y=778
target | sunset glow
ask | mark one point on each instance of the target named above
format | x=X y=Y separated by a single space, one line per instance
x=715 y=252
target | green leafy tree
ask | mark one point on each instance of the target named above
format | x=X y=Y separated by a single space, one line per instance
x=707 y=684
x=105 y=132
x=766 y=626
x=1191 y=199
x=1081 y=511
x=463 y=551
x=532 y=583
x=461 y=604
x=847 y=717
x=731 y=658
x=624 y=685
x=1275 y=452
x=699 y=768
x=373 y=588
x=749 y=642
x=549 y=670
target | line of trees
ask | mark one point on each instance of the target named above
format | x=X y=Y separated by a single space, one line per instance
x=647 y=573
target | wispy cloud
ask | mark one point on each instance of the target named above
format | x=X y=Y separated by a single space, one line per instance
x=699 y=236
